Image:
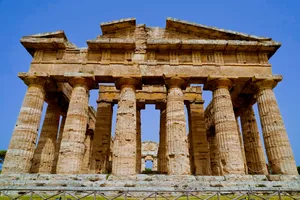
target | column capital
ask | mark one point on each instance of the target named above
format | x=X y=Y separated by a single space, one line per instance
x=265 y=83
x=88 y=82
x=215 y=83
x=133 y=82
x=33 y=79
x=176 y=81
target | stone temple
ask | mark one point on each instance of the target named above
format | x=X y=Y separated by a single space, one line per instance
x=134 y=65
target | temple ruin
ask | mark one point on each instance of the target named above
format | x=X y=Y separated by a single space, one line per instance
x=134 y=65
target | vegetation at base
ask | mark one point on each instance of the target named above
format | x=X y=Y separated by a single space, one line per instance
x=147 y=171
x=2 y=156
x=298 y=168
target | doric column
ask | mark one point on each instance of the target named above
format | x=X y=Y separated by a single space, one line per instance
x=154 y=164
x=176 y=136
x=143 y=165
x=199 y=142
x=138 y=137
x=102 y=138
x=45 y=151
x=87 y=152
x=241 y=144
x=214 y=155
x=58 y=141
x=254 y=152
x=72 y=143
x=230 y=154
x=162 y=158
x=21 y=148
x=124 y=151
x=278 y=148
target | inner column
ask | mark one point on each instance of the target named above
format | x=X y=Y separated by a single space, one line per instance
x=177 y=143
x=124 y=150
x=230 y=155
x=72 y=144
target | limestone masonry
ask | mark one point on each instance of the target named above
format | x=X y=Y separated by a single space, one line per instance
x=134 y=65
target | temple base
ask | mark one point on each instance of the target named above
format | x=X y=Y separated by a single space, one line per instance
x=149 y=182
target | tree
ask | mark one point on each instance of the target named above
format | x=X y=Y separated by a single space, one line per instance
x=2 y=155
x=298 y=168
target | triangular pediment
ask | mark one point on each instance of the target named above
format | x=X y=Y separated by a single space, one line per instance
x=203 y=31
x=175 y=29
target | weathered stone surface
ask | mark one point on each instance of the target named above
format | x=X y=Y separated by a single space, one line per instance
x=21 y=148
x=86 y=162
x=58 y=142
x=44 y=153
x=150 y=153
x=151 y=65
x=200 y=146
x=162 y=157
x=150 y=182
x=254 y=152
x=214 y=155
x=138 y=142
x=177 y=144
x=124 y=151
x=278 y=148
x=72 y=145
x=242 y=145
x=102 y=138
x=231 y=158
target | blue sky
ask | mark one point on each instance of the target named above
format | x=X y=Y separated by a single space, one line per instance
x=81 y=19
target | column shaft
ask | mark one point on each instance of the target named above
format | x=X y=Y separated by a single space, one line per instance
x=124 y=152
x=21 y=148
x=72 y=144
x=214 y=156
x=87 y=153
x=279 y=151
x=200 y=145
x=254 y=152
x=102 y=138
x=138 y=142
x=162 y=157
x=231 y=158
x=58 y=142
x=177 y=145
x=45 y=151
x=242 y=145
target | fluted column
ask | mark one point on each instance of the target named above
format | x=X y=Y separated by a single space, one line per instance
x=230 y=154
x=254 y=152
x=176 y=136
x=138 y=138
x=162 y=157
x=22 y=144
x=154 y=164
x=143 y=165
x=87 y=152
x=102 y=138
x=72 y=143
x=45 y=151
x=278 y=148
x=124 y=151
x=58 y=142
x=241 y=143
x=214 y=155
x=200 y=146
